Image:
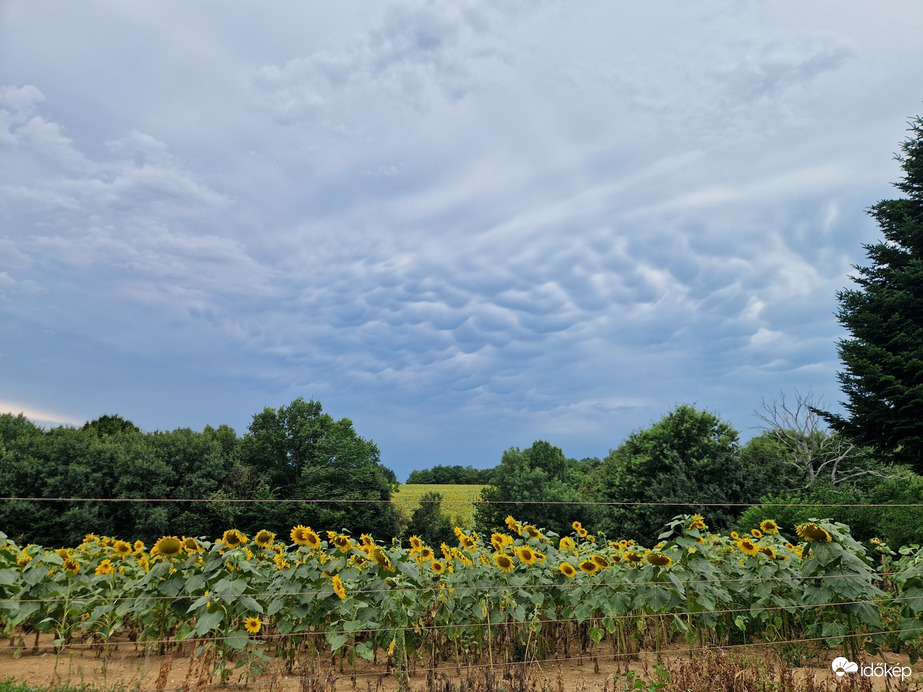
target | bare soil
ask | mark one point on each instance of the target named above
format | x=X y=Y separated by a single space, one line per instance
x=127 y=666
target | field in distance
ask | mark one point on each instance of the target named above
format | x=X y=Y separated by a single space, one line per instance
x=457 y=500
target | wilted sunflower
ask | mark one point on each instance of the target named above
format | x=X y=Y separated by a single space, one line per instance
x=589 y=567
x=71 y=565
x=264 y=538
x=253 y=625
x=122 y=547
x=382 y=560
x=504 y=562
x=233 y=538
x=659 y=559
x=304 y=535
x=168 y=546
x=526 y=554
x=632 y=557
x=769 y=527
x=813 y=532
x=338 y=587
x=567 y=569
x=747 y=546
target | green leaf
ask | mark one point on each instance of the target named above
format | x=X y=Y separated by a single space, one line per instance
x=237 y=640
x=209 y=621
x=336 y=640
x=366 y=650
x=596 y=634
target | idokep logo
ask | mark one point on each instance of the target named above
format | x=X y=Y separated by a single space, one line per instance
x=842 y=665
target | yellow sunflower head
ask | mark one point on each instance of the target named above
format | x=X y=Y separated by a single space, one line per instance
x=105 y=568
x=122 y=548
x=747 y=546
x=769 y=527
x=343 y=543
x=600 y=561
x=253 y=625
x=567 y=569
x=233 y=538
x=813 y=532
x=264 y=538
x=735 y=536
x=566 y=543
x=71 y=566
x=756 y=533
x=191 y=545
x=504 y=562
x=305 y=535
x=168 y=546
x=768 y=551
x=531 y=531
x=526 y=554
x=589 y=567
x=698 y=522
x=338 y=587
x=415 y=543
x=437 y=566
x=659 y=559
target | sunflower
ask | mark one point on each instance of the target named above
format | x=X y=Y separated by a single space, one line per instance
x=576 y=526
x=504 y=562
x=233 y=538
x=415 y=543
x=304 y=535
x=600 y=561
x=633 y=557
x=567 y=569
x=659 y=559
x=769 y=527
x=437 y=566
x=698 y=522
x=253 y=625
x=338 y=587
x=168 y=546
x=382 y=560
x=566 y=543
x=426 y=554
x=588 y=566
x=768 y=551
x=264 y=538
x=582 y=532
x=191 y=545
x=813 y=532
x=343 y=543
x=756 y=533
x=467 y=542
x=71 y=565
x=280 y=562
x=735 y=536
x=104 y=568
x=747 y=546
x=526 y=554
x=122 y=547
x=531 y=531
x=91 y=538
x=500 y=540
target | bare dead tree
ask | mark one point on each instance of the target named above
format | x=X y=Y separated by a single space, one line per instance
x=813 y=450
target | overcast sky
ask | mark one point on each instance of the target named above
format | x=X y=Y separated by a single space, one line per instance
x=464 y=225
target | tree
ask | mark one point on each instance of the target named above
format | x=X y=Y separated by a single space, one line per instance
x=687 y=457
x=811 y=452
x=536 y=486
x=302 y=453
x=883 y=357
x=429 y=523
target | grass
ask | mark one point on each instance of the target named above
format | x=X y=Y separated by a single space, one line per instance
x=11 y=685
x=457 y=500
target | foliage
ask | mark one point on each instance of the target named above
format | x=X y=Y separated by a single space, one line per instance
x=883 y=356
x=451 y=475
x=686 y=458
x=538 y=481
x=428 y=521
x=894 y=525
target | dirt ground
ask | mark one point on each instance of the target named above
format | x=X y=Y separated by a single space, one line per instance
x=127 y=667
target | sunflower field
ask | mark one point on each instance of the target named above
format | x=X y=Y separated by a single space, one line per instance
x=518 y=595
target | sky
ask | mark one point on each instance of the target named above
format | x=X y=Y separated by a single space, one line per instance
x=463 y=225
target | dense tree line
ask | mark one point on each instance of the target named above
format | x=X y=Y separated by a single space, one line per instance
x=294 y=453
x=451 y=475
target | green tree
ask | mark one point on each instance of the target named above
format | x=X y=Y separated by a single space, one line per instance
x=429 y=523
x=883 y=356
x=535 y=485
x=302 y=453
x=688 y=457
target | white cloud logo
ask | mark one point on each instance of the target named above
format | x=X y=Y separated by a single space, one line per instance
x=842 y=665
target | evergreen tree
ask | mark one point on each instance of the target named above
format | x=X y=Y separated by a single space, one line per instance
x=883 y=357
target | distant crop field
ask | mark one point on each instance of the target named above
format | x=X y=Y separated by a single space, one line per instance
x=457 y=500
